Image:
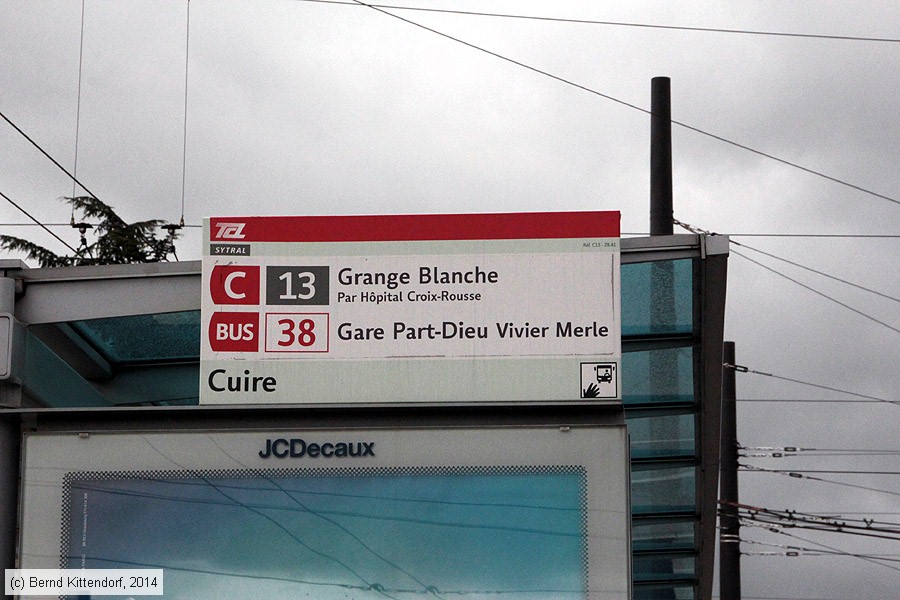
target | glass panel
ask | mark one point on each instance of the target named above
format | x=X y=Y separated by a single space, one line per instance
x=148 y=385
x=657 y=298
x=658 y=376
x=657 y=489
x=650 y=568
x=661 y=435
x=326 y=533
x=680 y=592
x=48 y=381
x=656 y=535
x=145 y=338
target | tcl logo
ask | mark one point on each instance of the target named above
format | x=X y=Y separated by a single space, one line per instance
x=234 y=332
x=230 y=284
x=229 y=231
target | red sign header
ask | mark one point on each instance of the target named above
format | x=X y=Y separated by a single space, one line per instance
x=424 y=227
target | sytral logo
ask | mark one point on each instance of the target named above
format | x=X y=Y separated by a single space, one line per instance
x=229 y=231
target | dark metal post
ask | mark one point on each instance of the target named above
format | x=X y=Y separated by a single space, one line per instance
x=661 y=214
x=9 y=454
x=9 y=489
x=729 y=545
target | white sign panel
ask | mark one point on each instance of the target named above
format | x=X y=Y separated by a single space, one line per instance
x=424 y=308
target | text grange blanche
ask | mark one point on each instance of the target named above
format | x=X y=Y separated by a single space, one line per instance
x=427 y=275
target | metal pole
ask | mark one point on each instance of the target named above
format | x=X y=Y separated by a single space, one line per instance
x=730 y=532
x=9 y=457
x=9 y=490
x=661 y=214
x=663 y=363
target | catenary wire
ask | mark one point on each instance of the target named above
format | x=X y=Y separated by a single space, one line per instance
x=78 y=108
x=820 y=520
x=45 y=153
x=743 y=369
x=808 y=541
x=795 y=235
x=818 y=235
x=69 y=225
x=789 y=454
x=751 y=468
x=816 y=271
x=187 y=46
x=555 y=77
x=804 y=549
x=618 y=23
x=838 y=471
x=27 y=214
x=807 y=400
x=695 y=229
x=826 y=553
x=840 y=513
x=862 y=527
x=798 y=551
x=799 y=449
x=755 y=521
x=776 y=527
x=642 y=234
x=815 y=291
x=631 y=105
x=716 y=597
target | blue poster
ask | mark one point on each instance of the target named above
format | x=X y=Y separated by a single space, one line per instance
x=516 y=533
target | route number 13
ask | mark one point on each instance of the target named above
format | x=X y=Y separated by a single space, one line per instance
x=304 y=285
x=307 y=286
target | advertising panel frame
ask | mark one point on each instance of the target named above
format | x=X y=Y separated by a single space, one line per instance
x=97 y=451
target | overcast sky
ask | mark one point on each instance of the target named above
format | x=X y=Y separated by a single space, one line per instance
x=310 y=108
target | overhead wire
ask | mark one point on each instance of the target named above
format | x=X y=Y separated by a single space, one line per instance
x=809 y=400
x=817 y=292
x=838 y=521
x=795 y=551
x=643 y=234
x=45 y=153
x=889 y=236
x=629 y=104
x=751 y=468
x=694 y=229
x=60 y=167
x=187 y=46
x=825 y=553
x=840 y=513
x=45 y=228
x=818 y=235
x=817 y=272
x=797 y=450
x=808 y=541
x=379 y=8
x=841 y=472
x=743 y=597
x=801 y=548
x=792 y=522
x=744 y=369
x=78 y=108
x=618 y=23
